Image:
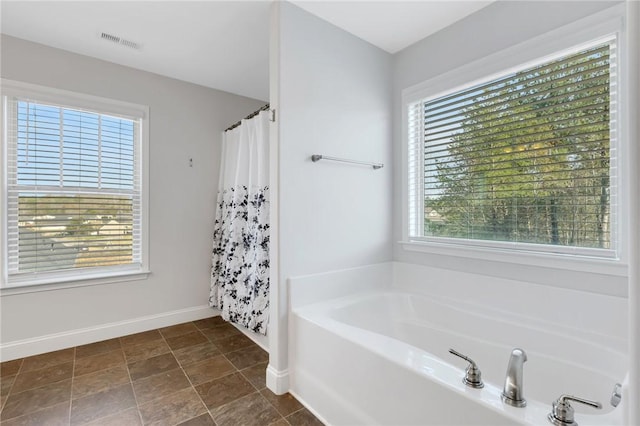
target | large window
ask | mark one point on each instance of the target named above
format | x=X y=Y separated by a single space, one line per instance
x=528 y=157
x=74 y=188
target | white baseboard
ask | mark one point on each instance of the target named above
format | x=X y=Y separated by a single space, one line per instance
x=277 y=381
x=257 y=338
x=308 y=407
x=71 y=338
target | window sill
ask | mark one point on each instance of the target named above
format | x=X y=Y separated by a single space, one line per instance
x=611 y=267
x=84 y=280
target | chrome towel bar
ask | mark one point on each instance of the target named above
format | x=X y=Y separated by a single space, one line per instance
x=317 y=157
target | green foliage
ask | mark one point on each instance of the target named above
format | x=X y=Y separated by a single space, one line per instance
x=528 y=160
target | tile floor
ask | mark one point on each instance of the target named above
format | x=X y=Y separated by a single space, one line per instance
x=198 y=373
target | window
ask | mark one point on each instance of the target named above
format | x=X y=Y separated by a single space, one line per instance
x=74 y=186
x=526 y=160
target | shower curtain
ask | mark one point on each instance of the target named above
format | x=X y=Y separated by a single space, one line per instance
x=240 y=261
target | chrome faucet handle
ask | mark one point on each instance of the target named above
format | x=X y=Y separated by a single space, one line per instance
x=473 y=376
x=562 y=412
x=616 y=395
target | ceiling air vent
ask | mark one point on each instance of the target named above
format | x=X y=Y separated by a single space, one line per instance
x=110 y=37
x=121 y=41
x=130 y=44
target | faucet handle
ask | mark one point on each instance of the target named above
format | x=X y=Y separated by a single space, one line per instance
x=473 y=376
x=562 y=412
x=616 y=396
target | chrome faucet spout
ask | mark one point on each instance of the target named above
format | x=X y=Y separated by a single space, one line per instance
x=512 y=392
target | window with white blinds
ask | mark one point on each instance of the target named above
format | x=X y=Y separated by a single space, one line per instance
x=74 y=190
x=527 y=158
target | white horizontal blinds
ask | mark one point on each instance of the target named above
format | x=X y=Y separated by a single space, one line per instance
x=527 y=157
x=74 y=191
x=12 y=204
x=416 y=141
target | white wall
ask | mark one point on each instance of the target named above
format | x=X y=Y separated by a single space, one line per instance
x=490 y=30
x=633 y=70
x=186 y=121
x=333 y=96
x=494 y=28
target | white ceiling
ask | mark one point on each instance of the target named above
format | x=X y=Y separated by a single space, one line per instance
x=219 y=44
x=392 y=25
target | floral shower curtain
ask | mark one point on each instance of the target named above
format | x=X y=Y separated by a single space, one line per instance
x=240 y=261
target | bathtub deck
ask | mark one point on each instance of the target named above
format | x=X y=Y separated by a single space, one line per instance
x=381 y=357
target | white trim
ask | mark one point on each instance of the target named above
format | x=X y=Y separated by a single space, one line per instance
x=600 y=24
x=144 y=196
x=542 y=260
x=277 y=329
x=75 y=281
x=277 y=381
x=82 y=336
x=308 y=407
x=75 y=278
x=4 y=192
x=404 y=170
x=73 y=100
x=585 y=31
x=631 y=64
x=257 y=338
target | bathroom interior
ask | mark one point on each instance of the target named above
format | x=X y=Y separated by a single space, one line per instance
x=369 y=315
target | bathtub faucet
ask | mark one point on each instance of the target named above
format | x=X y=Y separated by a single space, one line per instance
x=472 y=376
x=512 y=393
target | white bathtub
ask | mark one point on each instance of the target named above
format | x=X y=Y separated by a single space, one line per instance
x=381 y=357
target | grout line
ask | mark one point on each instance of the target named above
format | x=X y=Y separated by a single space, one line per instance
x=40 y=386
x=34 y=411
x=163 y=338
x=19 y=369
x=73 y=376
x=276 y=408
x=109 y=384
x=247 y=379
x=297 y=411
x=206 y=409
x=285 y=420
x=235 y=370
x=126 y=365
x=133 y=389
x=258 y=391
x=15 y=378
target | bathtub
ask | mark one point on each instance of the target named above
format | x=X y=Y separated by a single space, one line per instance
x=381 y=357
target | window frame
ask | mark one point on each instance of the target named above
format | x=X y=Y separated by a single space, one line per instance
x=84 y=276
x=548 y=46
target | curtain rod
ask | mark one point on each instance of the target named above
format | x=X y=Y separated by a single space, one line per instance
x=253 y=114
